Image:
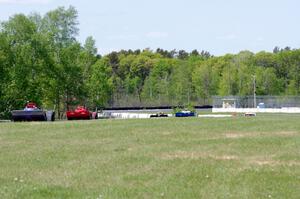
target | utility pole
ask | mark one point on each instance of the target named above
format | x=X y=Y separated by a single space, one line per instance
x=254 y=91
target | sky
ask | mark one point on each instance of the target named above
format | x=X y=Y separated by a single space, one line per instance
x=217 y=26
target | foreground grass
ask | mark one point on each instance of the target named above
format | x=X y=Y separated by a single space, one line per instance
x=237 y=157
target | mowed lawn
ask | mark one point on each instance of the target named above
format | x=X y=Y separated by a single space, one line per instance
x=240 y=157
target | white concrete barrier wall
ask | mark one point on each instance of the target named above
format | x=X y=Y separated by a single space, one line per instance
x=257 y=110
x=130 y=115
x=133 y=115
x=214 y=116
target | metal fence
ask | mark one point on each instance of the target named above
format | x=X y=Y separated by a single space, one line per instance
x=251 y=102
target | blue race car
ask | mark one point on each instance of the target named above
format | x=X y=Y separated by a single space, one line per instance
x=185 y=114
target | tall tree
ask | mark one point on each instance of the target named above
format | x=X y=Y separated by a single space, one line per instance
x=100 y=84
x=61 y=24
x=25 y=61
x=205 y=80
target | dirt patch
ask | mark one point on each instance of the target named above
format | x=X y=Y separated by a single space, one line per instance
x=286 y=133
x=274 y=163
x=195 y=155
x=166 y=133
x=129 y=149
x=242 y=135
x=234 y=135
x=225 y=157
x=256 y=134
x=252 y=160
x=269 y=161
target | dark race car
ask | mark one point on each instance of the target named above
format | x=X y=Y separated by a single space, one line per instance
x=160 y=114
x=32 y=113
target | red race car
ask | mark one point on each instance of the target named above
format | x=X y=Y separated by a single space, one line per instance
x=80 y=113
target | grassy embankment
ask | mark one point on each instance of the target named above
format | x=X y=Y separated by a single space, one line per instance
x=236 y=157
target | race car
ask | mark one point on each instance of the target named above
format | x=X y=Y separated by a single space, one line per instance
x=160 y=114
x=32 y=113
x=185 y=114
x=81 y=113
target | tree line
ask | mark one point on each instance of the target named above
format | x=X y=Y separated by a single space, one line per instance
x=42 y=61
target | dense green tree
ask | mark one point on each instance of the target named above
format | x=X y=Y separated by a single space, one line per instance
x=4 y=78
x=194 y=53
x=228 y=82
x=61 y=24
x=293 y=87
x=182 y=54
x=157 y=84
x=267 y=83
x=88 y=57
x=100 y=83
x=264 y=59
x=205 y=79
x=181 y=90
x=25 y=61
x=41 y=60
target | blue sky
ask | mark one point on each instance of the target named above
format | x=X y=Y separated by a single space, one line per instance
x=218 y=26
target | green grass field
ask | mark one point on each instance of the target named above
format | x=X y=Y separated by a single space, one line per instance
x=254 y=157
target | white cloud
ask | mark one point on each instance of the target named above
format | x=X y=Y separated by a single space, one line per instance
x=230 y=36
x=157 y=35
x=260 y=39
x=23 y=2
